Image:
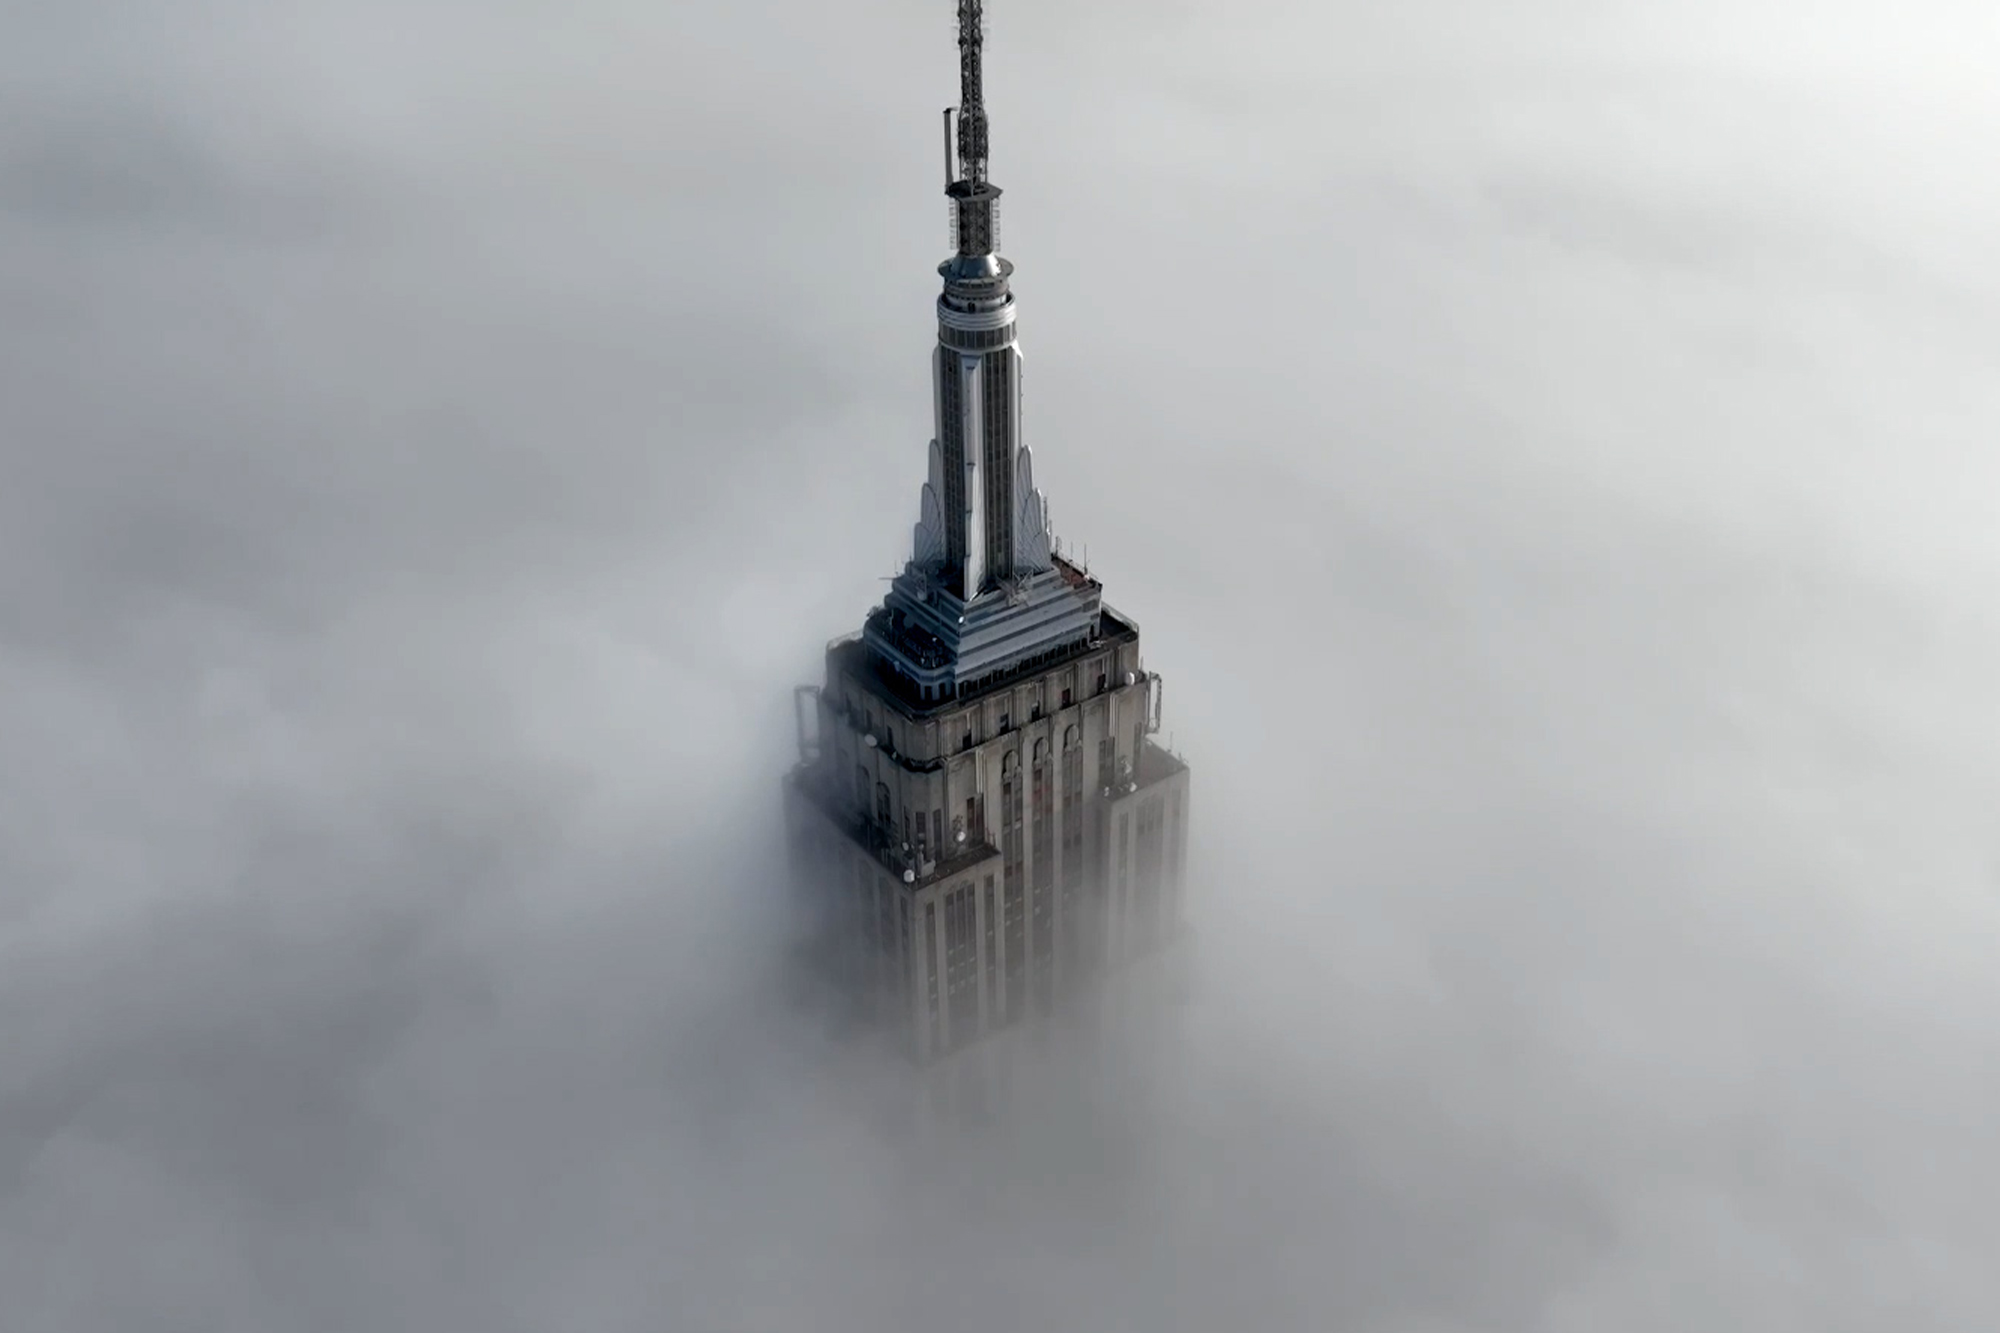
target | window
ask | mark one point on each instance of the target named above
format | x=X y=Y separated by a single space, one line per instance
x=999 y=463
x=888 y=923
x=950 y=390
x=1013 y=925
x=1065 y=696
x=1146 y=885
x=1041 y=889
x=882 y=802
x=1004 y=719
x=1124 y=848
x=966 y=743
x=902 y=982
x=1102 y=679
x=992 y=953
x=971 y=820
x=1072 y=847
x=930 y=965
x=961 y=951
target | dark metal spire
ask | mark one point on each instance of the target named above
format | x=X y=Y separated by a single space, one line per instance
x=971 y=96
x=975 y=200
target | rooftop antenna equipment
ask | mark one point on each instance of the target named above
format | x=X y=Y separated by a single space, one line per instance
x=975 y=202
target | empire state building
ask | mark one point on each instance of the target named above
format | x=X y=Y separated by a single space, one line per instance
x=981 y=819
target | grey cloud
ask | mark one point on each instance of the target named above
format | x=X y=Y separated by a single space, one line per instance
x=438 y=439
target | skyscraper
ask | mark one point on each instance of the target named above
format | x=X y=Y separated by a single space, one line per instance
x=981 y=814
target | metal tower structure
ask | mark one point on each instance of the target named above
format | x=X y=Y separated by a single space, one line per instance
x=981 y=815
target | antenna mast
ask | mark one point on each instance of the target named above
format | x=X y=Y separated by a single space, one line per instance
x=971 y=93
x=976 y=201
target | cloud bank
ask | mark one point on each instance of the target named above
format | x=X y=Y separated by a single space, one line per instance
x=1543 y=447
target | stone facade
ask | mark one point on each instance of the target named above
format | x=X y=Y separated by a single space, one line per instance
x=976 y=860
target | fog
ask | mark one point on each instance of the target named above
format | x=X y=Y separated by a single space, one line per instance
x=1547 y=446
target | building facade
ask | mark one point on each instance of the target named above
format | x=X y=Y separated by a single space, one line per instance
x=982 y=817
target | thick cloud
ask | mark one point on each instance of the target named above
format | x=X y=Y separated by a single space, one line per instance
x=1543 y=444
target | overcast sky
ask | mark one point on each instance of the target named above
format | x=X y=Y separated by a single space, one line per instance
x=1548 y=447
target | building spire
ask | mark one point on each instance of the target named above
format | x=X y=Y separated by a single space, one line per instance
x=982 y=527
x=971 y=96
x=983 y=591
x=975 y=200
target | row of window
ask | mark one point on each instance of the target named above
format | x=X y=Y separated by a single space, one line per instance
x=930 y=960
x=997 y=432
x=975 y=340
x=924 y=835
x=1028 y=666
x=876 y=798
x=1143 y=898
x=1030 y=902
x=952 y=447
x=961 y=963
x=1010 y=847
x=1004 y=723
x=1044 y=881
x=1072 y=739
